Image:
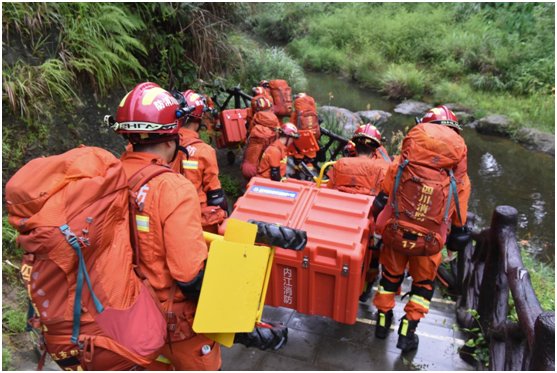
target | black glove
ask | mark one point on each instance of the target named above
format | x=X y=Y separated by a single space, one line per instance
x=192 y=289
x=217 y=198
x=379 y=204
x=275 y=174
x=458 y=238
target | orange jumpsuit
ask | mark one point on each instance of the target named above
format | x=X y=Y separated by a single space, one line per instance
x=201 y=168
x=423 y=269
x=172 y=249
x=275 y=156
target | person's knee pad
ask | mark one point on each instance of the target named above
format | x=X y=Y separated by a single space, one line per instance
x=422 y=292
x=390 y=282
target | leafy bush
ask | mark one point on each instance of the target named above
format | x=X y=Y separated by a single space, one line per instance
x=280 y=22
x=269 y=63
x=59 y=43
x=32 y=90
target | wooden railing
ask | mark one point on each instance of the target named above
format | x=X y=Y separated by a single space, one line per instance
x=486 y=272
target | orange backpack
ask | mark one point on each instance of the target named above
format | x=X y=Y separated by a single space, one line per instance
x=359 y=175
x=260 y=138
x=417 y=217
x=71 y=211
x=282 y=97
x=305 y=115
x=266 y=119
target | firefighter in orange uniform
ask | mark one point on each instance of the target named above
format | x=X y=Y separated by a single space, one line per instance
x=413 y=212
x=197 y=161
x=363 y=173
x=150 y=118
x=258 y=92
x=262 y=133
x=305 y=117
x=274 y=160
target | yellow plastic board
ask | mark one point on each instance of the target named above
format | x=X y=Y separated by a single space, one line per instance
x=235 y=278
x=225 y=339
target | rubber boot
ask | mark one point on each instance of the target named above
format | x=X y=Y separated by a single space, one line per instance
x=383 y=326
x=407 y=338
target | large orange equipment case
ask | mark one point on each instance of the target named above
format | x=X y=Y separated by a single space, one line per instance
x=327 y=277
x=233 y=127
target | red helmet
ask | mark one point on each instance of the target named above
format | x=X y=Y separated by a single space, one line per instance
x=289 y=129
x=263 y=103
x=300 y=95
x=196 y=103
x=441 y=115
x=349 y=150
x=147 y=114
x=367 y=134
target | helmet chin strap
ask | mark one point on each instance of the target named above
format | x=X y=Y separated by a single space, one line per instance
x=177 y=142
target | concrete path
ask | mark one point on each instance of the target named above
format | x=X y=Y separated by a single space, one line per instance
x=319 y=343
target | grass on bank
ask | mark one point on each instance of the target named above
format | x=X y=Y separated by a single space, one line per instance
x=494 y=57
x=6 y=359
x=260 y=63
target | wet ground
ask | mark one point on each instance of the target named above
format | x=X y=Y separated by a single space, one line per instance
x=319 y=343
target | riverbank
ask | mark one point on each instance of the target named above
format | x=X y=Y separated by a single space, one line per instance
x=495 y=59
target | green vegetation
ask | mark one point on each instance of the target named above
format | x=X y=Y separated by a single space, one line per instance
x=265 y=63
x=59 y=55
x=542 y=276
x=13 y=321
x=57 y=45
x=476 y=345
x=491 y=57
x=6 y=359
x=231 y=186
x=9 y=235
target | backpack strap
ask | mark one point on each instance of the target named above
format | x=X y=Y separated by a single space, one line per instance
x=397 y=183
x=81 y=275
x=135 y=182
x=384 y=155
x=453 y=192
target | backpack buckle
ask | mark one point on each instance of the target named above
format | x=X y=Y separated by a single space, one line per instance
x=171 y=321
